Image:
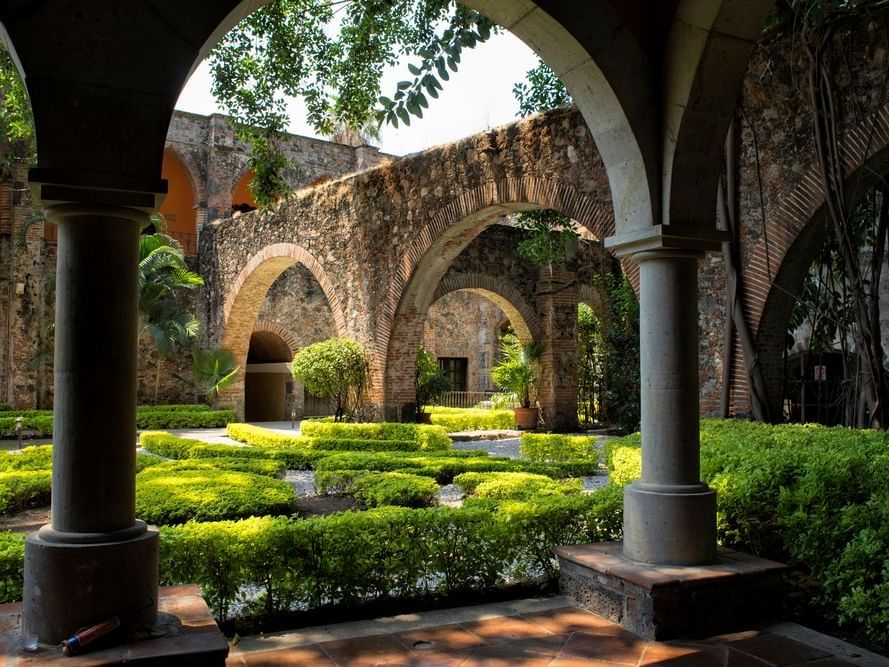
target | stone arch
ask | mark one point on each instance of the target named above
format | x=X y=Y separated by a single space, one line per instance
x=449 y=230
x=506 y=296
x=775 y=271
x=267 y=373
x=247 y=292
x=593 y=298
x=274 y=328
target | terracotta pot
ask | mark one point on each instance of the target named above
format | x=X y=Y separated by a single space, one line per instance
x=525 y=417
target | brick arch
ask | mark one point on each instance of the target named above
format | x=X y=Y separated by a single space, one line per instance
x=775 y=271
x=451 y=228
x=282 y=333
x=247 y=293
x=506 y=296
x=192 y=168
x=435 y=246
x=592 y=297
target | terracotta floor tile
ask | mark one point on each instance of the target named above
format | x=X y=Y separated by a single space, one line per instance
x=505 y=629
x=571 y=619
x=441 y=638
x=308 y=656
x=440 y=658
x=374 y=650
x=579 y=662
x=607 y=649
x=669 y=654
x=776 y=650
x=534 y=652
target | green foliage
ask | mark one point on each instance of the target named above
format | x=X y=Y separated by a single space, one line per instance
x=541 y=92
x=552 y=448
x=212 y=370
x=590 y=371
x=337 y=441
x=336 y=369
x=189 y=419
x=359 y=557
x=471 y=419
x=166 y=494
x=21 y=489
x=812 y=496
x=430 y=383
x=166 y=445
x=295 y=48
x=12 y=566
x=518 y=371
x=515 y=485
x=376 y=489
x=29 y=458
x=549 y=238
x=145 y=459
x=254 y=466
x=620 y=337
x=37 y=425
x=16 y=121
x=427 y=438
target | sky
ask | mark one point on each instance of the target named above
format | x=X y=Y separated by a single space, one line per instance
x=476 y=98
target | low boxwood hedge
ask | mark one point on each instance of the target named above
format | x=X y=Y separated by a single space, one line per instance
x=21 y=489
x=12 y=566
x=376 y=489
x=30 y=458
x=171 y=419
x=175 y=407
x=471 y=419
x=555 y=448
x=426 y=437
x=258 y=436
x=34 y=425
x=170 y=496
x=515 y=485
x=167 y=445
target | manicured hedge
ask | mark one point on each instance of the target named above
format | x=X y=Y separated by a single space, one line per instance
x=815 y=497
x=176 y=407
x=169 y=495
x=36 y=425
x=376 y=489
x=258 y=436
x=358 y=557
x=515 y=485
x=30 y=458
x=167 y=445
x=554 y=448
x=425 y=436
x=21 y=489
x=169 y=419
x=471 y=419
x=12 y=566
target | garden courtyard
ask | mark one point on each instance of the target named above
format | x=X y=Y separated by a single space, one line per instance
x=385 y=532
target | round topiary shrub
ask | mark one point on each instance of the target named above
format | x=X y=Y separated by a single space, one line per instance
x=394 y=488
x=168 y=495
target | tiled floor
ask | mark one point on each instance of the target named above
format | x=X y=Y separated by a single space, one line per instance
x=536 y=632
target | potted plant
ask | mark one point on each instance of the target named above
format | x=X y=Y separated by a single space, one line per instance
x=518 y=372
x=430 y=383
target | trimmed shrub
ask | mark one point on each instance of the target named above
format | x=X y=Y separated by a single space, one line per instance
x=30 y=458
x=394 y=488
x=428 y=438
x=169 y=496
x=553 y=448
x=144 y=460
x=21 y=489
x=12 y=566
x=264 y=467
x=167 y=445
x=359 y=557
x=170 y=419
x=293 y=459
x=515 y=485
x=263 y=437
x=471 y=419
x=178 y=407
x=36 y=425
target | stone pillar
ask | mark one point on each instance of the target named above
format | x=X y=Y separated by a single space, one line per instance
x=669 y=514
x=95 y=560
x=557 y=310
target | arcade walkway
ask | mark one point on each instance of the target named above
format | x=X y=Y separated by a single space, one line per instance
x=535 y=632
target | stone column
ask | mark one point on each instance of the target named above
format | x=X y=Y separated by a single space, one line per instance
x=557 y=310
x=95 y=560
x=669 y=514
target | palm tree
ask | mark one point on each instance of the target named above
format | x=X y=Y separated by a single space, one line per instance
x=519 y=369
x=163 y=274
x=212 y=371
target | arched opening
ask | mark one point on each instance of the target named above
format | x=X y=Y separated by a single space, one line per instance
x=178 y=206
x=242 y=197
x=267 y=381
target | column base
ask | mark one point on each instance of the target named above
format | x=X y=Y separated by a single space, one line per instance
x=670 y=525
x=667 y=602
x=71 y=585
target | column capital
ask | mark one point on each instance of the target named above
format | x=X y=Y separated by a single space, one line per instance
x=53 y=187
x=660 y=238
